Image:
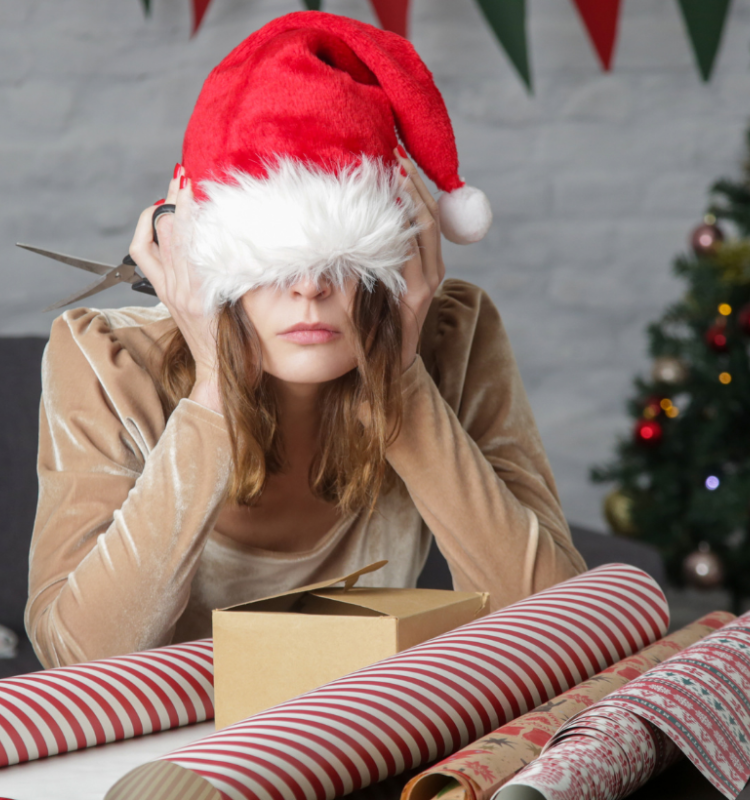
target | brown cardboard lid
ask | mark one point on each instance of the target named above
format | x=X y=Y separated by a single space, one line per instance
x=347 y=580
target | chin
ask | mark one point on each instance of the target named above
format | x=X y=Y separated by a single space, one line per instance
x=309 y=366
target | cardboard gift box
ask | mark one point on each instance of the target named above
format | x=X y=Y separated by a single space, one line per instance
x=270 y=650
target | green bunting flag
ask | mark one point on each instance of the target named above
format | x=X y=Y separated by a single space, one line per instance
x=508 y=21
x=313 y=5
x=147 y=7
x=704 y=20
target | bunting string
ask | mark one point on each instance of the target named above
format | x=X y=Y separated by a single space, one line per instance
x=705 y=22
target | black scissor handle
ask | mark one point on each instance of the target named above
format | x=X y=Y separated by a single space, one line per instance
x=164 y=208
x=143 y=285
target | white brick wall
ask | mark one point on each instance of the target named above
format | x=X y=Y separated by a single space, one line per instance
x=596 y=180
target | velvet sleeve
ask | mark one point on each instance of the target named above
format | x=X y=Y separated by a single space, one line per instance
x=124 y=508
x=471 y=457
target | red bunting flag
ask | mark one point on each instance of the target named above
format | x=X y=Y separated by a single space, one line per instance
x=393 y=15
x=601 y=18
x=199 y=10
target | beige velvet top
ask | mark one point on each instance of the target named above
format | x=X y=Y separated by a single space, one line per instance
x=124 y=556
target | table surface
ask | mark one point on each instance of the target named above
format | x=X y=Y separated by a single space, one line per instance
x=89 y=774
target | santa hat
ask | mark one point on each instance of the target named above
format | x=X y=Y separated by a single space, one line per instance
x=290 y=151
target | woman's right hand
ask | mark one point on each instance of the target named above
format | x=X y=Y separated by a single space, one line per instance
x=178 y=287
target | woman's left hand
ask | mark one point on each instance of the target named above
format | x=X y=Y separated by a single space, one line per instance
x=425 y=270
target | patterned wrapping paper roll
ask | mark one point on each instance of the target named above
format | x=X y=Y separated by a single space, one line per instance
x=697 y=702
x=70 y=708
x=420 y=704
x=479 y=770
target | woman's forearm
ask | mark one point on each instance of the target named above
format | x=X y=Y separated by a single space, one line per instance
x=105 y=582
x=495 y=519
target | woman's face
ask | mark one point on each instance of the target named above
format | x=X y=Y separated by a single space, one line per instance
x=305 y=330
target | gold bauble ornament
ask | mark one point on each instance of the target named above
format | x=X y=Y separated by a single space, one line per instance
x=667 y=369
x=618 y=511
x=732 y=260
x=703 y=568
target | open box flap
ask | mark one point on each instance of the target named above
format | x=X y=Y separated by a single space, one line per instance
x=403 y=603
x=347 y=580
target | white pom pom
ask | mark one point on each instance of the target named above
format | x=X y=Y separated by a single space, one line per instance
x=465 y=215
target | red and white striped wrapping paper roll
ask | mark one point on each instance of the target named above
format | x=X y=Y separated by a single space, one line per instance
x=419 y=705
x=70 y=708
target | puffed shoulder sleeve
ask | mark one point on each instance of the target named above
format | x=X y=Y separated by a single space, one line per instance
x=125 y=502
x=472 y=459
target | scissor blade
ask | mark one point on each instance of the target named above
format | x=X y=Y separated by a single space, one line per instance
x=81 y=263
x=122 y=274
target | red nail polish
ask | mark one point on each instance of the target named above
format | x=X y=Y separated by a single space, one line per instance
x=401 y=151
x=160 y=202
x=183 y=182
x=404 y=172
x=177 y=168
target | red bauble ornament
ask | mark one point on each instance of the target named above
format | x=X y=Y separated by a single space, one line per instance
x=648 y=432
x=705 y=238
x=716 y=337
x=743 y=319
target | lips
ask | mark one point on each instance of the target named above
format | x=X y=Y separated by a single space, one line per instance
x=310 y=333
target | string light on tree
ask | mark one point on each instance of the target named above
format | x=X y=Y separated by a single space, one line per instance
x=652 y=408
x=712 y=483
x=725 y=378
x=703 y=569
x=669 y=408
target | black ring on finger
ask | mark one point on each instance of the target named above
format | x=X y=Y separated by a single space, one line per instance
x=164 y=208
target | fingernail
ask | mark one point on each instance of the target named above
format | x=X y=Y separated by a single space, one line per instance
x=160 y=202
x=177 y=168
x=401 y=151
x=404 y=172
x=183 y=182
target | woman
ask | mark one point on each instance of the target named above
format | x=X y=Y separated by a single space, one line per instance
x=307 y=398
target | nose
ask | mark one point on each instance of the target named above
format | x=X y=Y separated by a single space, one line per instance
x=310 y=289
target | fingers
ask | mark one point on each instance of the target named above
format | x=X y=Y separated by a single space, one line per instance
x=152 y=259
x=164 y=230
x=428 y=220
x=145 y=253
x=423 y=192
x=185 y=276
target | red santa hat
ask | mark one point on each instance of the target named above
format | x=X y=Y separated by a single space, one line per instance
x=290 y=151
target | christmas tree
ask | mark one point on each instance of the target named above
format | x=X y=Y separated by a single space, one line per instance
x=682 y=480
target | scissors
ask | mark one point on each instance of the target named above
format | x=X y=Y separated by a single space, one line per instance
x=125 y=272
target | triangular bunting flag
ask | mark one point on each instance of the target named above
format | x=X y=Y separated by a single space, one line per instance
x=393 y=15
x=704 y=20
x=313 y=5
x=146 y=7
x=601 y=18
x=508 y=20
x=199 y=10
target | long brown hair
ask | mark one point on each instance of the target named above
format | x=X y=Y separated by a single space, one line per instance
x=360 y=411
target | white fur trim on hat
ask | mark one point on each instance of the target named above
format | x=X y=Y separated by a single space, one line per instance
x=301 y=221
x=465 y=215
